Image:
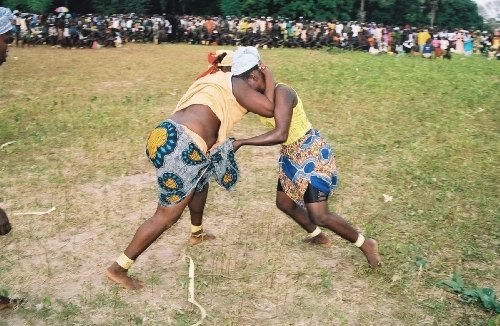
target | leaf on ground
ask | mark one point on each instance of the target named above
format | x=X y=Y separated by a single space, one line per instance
x=420 y=262
x=487 y=297
x=458 y=279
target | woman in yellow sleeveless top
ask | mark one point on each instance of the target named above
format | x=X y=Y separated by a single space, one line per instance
x=307 y=173
x=192 y=146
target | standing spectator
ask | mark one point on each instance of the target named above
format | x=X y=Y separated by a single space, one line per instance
x=355 y=28
x=436 y=46
x=459 y=43
x=17 y=26
x=468 y=44
x=173 y=32
x=422 y=37
x=379 y=32
x=477 y=42
x=339 y=27
x=397 y=37
x=386 y=41
x=60 y=25
x=363 y=39
x=5 y=33
x=407 y=39
x=444 y=44
x=495 y=44
x=52 y=36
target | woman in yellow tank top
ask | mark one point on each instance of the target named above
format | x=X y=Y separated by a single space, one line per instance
x=307 y=173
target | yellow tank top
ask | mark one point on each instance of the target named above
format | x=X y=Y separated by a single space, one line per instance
x=299 y=125
x=215 y=91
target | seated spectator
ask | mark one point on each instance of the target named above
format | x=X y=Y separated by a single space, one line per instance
x=427 y=49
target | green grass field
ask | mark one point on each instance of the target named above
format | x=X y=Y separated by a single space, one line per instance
x=425 y=132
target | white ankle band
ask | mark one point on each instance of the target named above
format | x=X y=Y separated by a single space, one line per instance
x=314 y=233
x=360 y=241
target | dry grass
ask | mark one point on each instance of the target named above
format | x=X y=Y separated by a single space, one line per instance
x=80 y=119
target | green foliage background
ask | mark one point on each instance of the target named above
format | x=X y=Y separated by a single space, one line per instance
x=450 y=13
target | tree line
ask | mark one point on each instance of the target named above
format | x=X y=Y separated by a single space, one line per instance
x=446 y=13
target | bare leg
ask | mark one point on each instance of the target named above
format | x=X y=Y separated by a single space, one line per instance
x=196 y=207
x=300 y=215
x=146 y=234
x=320 y=214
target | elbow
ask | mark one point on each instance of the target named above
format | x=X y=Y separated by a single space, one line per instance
x=268 y=112
x=281 y=137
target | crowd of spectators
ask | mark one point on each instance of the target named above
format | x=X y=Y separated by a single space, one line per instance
x=93 y=31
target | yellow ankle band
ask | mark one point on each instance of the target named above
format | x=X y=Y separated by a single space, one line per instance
x=124 y=261
x=196 y=228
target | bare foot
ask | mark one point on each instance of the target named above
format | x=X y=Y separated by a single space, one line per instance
x=321 y=239
x=370 y=250
x=8 y=303
x=199 y=237
x=119 y=275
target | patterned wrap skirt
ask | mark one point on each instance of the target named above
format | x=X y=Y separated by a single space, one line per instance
x=181 y=166
x=308 y=161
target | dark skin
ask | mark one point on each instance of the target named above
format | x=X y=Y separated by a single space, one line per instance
x=5 y=39
x=5 y=226
x=314 y=213
x=256 y=95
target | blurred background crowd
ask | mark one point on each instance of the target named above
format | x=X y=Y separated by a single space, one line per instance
x=65 y=30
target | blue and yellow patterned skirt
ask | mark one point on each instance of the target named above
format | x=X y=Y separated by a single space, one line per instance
x=181 y=166
x=308 y=161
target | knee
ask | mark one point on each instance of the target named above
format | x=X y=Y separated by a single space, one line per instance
x=285 y=206
x=164 y=218
x=320 y=219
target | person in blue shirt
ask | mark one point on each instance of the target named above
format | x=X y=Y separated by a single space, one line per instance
x=427 y=49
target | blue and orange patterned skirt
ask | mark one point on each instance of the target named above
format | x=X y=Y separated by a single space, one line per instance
x=308 y=161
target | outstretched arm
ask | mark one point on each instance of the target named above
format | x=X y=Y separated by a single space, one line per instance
x=285 y=101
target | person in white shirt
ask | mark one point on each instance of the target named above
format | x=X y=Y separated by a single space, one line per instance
x=444 y=44
x=355 y=29
x=338 y=28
